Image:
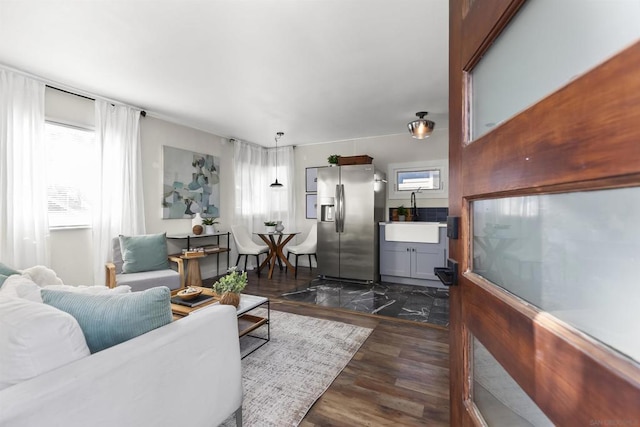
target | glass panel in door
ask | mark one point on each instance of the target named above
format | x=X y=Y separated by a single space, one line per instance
x=574 y=255
x=545 y=46
x=498 y=397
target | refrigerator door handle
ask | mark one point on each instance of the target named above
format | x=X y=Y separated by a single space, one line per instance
x=337 y=212
x=342 y=208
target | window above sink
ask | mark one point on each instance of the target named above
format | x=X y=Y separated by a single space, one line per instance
x=427 y=179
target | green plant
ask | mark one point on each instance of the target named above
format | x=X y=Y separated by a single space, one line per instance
x=209 y=221
x=402 y=211
x=233 y=281
x=270 y=223
x=333 y=159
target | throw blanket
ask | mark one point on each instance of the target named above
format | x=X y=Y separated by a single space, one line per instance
x=42 y=276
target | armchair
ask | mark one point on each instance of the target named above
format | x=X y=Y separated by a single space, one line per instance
x=139 y=281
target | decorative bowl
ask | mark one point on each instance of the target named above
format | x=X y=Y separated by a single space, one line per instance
x=189 y=293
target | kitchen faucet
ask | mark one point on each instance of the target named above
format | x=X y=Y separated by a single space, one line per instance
x=414 y=207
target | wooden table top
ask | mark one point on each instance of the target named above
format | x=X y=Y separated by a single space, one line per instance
x=183 y=310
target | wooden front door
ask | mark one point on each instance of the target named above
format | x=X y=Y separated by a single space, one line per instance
x=579 y=141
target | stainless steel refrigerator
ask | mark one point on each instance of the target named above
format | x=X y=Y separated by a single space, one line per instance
x=351 y=203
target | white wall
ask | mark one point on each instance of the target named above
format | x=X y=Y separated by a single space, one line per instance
x=154 y=133
x=384 y=150
x=72 y=249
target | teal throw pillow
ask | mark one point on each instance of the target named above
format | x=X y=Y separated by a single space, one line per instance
x=5 y=270
x=110 y=319
x=2 y=279
x=147 y=252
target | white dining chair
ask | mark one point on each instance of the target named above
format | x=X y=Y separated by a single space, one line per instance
x=246 y=246
x=308 y=247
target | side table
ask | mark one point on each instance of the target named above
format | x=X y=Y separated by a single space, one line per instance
x=194 y=277
x=216 y=250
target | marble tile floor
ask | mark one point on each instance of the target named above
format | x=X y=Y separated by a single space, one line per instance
x=418 y=303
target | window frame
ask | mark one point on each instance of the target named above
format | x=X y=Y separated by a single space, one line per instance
x=394 y=169
x=77 y=127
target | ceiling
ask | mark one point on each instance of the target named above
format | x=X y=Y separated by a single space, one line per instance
x=318 y=70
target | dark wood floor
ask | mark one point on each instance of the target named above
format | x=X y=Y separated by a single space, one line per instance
x=399 y=377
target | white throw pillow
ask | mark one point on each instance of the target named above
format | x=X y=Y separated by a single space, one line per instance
x=17 y=286
x=34 y=339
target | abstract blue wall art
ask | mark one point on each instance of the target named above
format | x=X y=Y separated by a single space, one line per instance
x=191 y=184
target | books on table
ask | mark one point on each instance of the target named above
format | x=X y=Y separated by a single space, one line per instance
x=200 y=299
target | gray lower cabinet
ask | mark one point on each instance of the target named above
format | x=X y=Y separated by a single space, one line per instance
x=410 y=263
x=395 y=259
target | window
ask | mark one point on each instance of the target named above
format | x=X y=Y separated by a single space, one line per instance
x=427 y=179
x=70 y=175
x=418 y=180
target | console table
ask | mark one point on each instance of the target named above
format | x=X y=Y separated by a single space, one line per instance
x=213 y=250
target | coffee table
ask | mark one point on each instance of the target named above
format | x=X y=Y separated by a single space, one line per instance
x=247 y=322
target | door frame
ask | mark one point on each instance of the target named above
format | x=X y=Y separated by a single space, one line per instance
x=545 y=356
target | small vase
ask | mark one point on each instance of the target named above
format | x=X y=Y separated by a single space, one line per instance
x=209 y=229
x=196 y=220
x=401 y=217
x=230 y=298
x=270 y=228
x=279 y=226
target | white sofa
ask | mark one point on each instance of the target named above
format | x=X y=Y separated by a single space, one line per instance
x=186 y=373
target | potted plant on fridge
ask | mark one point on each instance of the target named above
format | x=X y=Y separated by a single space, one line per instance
x=333 y=160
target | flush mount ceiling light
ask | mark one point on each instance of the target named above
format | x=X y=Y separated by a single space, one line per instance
x=421 y=128
x=276 y=183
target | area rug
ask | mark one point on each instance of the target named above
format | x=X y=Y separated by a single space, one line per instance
x=283 y=378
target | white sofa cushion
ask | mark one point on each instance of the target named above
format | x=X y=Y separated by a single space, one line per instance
x=20 y=287
x=94 y=290
x=148 y=279
x=36 y=338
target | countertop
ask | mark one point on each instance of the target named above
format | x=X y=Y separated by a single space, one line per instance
x=440 y=224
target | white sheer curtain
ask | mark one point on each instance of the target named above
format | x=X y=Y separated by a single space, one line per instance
x=119 y=204
x=255 y=201
x=24 y=228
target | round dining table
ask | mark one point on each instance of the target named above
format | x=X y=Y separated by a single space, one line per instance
x=276 y=242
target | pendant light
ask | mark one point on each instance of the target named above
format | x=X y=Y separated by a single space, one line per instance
x=276 y=183
x=421 y=128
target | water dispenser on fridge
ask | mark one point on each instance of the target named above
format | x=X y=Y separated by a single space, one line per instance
x=327 y=209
